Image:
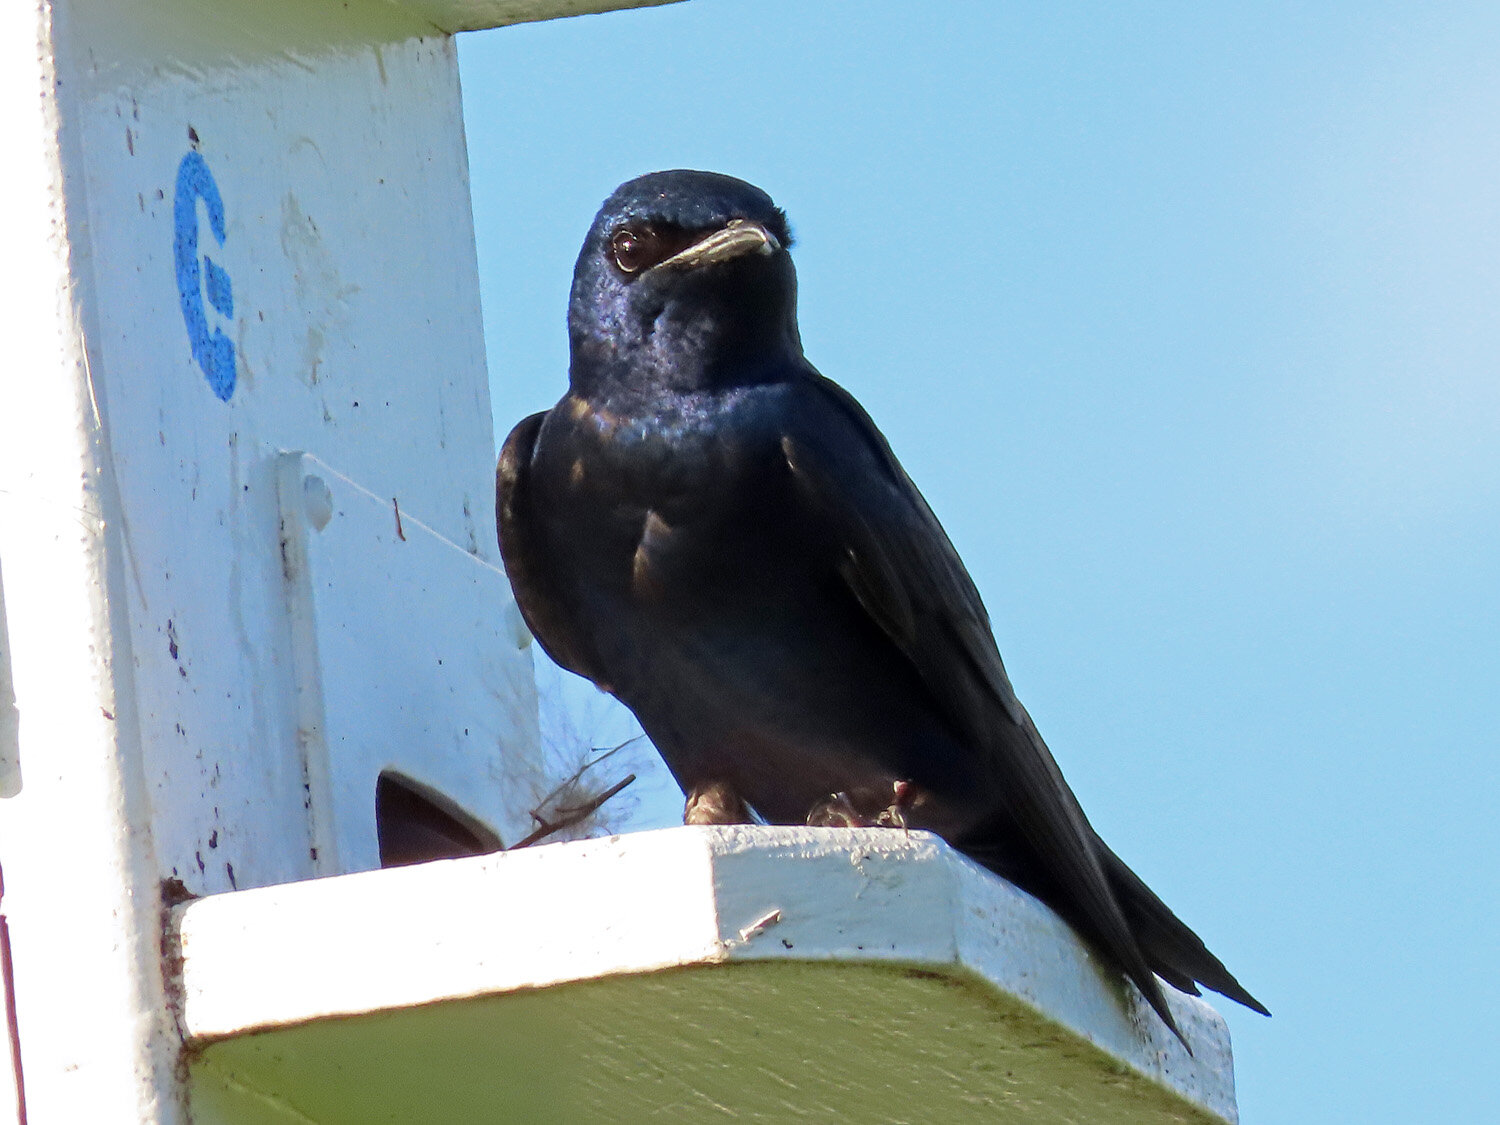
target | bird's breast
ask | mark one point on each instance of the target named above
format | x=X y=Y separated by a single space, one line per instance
x=683 y=457
x=655 y=495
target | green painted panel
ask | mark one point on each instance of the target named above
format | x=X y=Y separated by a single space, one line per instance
x=768 y=1042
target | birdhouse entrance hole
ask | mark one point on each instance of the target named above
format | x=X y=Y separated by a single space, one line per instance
x=416 y=823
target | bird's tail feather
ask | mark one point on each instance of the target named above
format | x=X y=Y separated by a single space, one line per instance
x=1173 y=951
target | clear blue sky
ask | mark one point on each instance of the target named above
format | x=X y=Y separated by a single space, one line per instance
x=1187 y=322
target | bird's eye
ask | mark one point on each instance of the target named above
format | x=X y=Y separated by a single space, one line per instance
x=635 y=250
x=639 y=247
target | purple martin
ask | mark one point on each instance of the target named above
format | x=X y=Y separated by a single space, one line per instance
x=715 y=533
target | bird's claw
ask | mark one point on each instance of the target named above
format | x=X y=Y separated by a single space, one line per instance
x=715 y=803
x=838 y=810
x=903 y=797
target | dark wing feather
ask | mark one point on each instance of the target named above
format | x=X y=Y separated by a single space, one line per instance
x=523 y=547
x=904 y=571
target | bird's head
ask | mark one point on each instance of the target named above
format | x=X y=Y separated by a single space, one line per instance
x=683 y=283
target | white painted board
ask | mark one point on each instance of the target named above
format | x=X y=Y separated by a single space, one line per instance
x=282 y=247
x=395 y=632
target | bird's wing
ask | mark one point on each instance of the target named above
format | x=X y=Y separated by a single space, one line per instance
x=532 y=572
x=904 y=571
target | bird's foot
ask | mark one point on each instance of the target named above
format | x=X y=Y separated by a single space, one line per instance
x=836 y=811
x=904 y=796
x=715 y=803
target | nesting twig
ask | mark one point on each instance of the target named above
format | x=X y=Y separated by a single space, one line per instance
x=566 y=816
x=571 y=815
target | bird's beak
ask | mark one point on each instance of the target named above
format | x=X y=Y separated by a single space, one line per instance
x=739 y=238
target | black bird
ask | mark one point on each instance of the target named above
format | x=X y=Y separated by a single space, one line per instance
x=710 y=530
